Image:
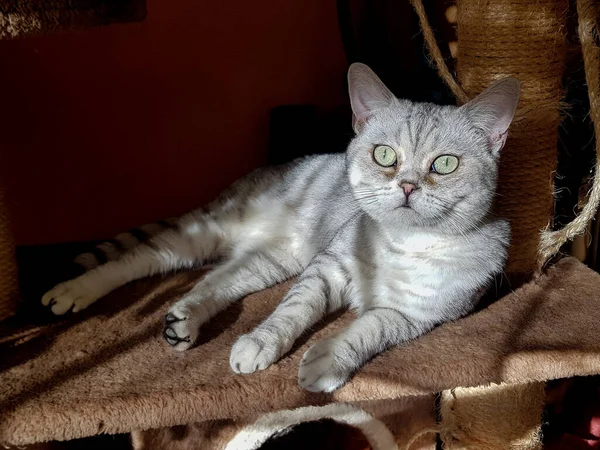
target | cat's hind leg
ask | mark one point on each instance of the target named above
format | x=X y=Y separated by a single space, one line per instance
x=319 y=291
x=195 y=239
x=250 y=272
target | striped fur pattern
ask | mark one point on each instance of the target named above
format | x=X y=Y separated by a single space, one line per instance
x=112 y=249
x=404 y=261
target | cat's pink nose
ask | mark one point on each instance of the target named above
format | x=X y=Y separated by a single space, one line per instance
x=408 y=188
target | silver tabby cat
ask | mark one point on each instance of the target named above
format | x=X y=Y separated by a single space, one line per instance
x=398 y=229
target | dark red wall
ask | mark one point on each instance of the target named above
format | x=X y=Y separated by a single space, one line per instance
x=109 y=128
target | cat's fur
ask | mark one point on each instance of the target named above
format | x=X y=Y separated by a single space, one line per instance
x=345 y=226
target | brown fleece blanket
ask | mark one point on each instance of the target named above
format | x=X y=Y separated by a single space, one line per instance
x=108 y=370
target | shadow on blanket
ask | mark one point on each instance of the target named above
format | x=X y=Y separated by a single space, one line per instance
x=109 y=371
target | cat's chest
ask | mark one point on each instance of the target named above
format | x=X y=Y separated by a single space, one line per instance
x=416 y=264
x=419 y=250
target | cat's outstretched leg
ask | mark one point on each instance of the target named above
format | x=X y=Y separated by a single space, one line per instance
x=329 y=363
x=251 y=272
x=319 y=291
x=192 y=241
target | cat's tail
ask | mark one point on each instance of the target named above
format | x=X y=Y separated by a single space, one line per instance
x=112 y=249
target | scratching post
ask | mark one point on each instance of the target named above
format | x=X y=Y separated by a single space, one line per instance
x=496 y=417
x=524 y=39
x=8 y=265
x=527 y=40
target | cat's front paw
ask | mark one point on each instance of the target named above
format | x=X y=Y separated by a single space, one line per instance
x=70 y=295
x=251 y=353
x=320 y=370
x=182 y=326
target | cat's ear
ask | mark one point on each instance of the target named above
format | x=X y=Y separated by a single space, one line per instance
x=492 y=111
x=367 y=93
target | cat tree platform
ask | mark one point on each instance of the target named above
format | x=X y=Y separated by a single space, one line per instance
x=108 y=370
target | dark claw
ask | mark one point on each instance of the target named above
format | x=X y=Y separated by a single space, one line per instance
x=172 y=318
x=256 y=368
x=237 y=366
x=170 y=332
x=172 y=338
x=171 y=342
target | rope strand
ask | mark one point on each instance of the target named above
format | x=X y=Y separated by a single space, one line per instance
x=436 y=54
x=552 y=241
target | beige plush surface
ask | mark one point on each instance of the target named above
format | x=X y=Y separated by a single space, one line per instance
x=109 y=370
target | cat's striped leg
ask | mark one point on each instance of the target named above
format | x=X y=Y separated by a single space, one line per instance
x=231 y=281
x=318 y=292
x=172 y=249
x=329 y=363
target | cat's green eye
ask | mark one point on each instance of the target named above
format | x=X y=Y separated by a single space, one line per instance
x=384 y=156
x=444 y=164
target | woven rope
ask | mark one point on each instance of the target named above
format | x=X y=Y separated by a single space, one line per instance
x=436 y=54
x=589 y=32
x=8 y=266
x=524 y=39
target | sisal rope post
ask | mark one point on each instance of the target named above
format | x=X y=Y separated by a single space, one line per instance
x=527 y=40
x=8 y=265
x=493 y=417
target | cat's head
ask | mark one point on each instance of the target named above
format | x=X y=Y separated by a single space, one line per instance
x=420 y=164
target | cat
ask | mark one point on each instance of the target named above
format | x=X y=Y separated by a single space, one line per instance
x=398 y=229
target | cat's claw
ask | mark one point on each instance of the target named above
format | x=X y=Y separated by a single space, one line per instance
x=250 y=354
x=320 y=371
x=181 y=327
x=67 y=296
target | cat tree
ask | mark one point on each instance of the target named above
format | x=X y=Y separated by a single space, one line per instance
x=108 y=371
